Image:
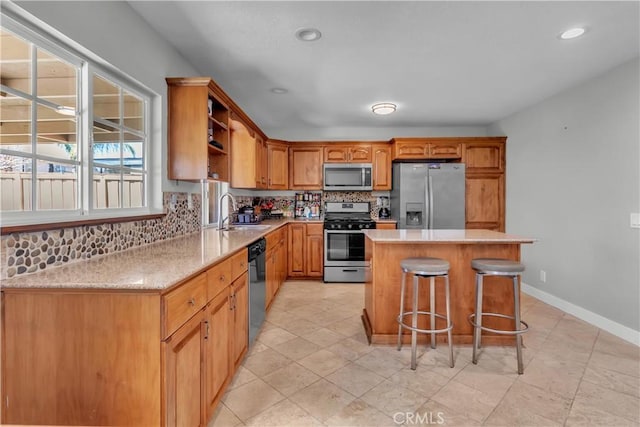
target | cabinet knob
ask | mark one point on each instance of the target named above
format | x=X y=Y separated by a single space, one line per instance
x=222 y=278
x=192 y=302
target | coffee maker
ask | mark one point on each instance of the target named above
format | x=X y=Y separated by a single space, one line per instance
x=383 y=212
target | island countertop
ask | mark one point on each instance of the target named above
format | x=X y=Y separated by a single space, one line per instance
x=443 y=236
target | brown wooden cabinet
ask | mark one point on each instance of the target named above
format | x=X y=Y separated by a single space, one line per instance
x=276 y=263
x=198 y=116
x=381 y=159
x=278 y=165
x=183 y=379
x=386 y=225
x=353 y=153
x=305 y=250
x=314 y=257
x=305 y=167
x=485 y=163
x=262 y=163
x=126 y=357
x=427 y=148
x=218 y=366
x=248 y=157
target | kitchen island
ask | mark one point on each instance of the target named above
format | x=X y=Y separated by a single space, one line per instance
x=384 y=249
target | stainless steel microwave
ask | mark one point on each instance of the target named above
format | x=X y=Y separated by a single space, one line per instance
x=347 y=177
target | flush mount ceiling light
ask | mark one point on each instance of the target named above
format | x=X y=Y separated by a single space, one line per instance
x=383 y=108
x=308 y=34
x=572 y=33
x=279 y=90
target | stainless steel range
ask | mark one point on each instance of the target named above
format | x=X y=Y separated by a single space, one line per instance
x=344 y=240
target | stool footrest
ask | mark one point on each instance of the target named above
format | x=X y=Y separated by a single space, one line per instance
x=472 y=317
x=426 y=331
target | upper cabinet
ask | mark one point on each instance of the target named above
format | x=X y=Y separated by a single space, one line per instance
x=354 y=153
x=278 y=165
x=426 y=148
x=249 y=162
x=198 y=130
x=305 y=167
x=381 y=159
x=485 y=154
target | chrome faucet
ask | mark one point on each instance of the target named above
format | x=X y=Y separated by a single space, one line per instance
x=233 y=206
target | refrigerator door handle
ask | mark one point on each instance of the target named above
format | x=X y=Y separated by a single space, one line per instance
x=427 y=208
x=430 y=190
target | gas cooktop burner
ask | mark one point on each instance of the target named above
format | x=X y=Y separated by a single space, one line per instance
x=348 y=216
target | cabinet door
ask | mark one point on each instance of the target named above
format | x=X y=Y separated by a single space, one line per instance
x=217 y=350
x=305 y=168
x=484 y=157
x=315 y=256
x=183 y=380
x=485 y=201
x=445 y=150
x=240 y=301
x=381 y=167
x=271 y=276
x=360 y=154
x=410 y=150
x=188 y=124
x=243 y=156
x=278 y=159
x=336 y=154
x=297 y=249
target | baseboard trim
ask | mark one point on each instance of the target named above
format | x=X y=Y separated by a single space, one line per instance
x=601 y=322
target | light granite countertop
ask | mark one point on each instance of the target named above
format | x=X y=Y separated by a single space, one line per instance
x=443 y=236
x=154 y=267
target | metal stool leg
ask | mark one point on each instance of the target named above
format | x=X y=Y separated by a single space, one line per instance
x=432 y=309
x=448 y=304
x=414 y=323
x=516 y=315
x=400 y=318
x=477 y=332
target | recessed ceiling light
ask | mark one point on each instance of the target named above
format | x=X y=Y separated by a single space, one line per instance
x=279 y=90
x=383 y=108
x=308 y=34
x=572 y=33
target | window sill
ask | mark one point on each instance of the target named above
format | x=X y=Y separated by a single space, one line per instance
x=30 y=228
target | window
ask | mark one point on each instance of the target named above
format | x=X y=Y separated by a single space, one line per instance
x=74 y=138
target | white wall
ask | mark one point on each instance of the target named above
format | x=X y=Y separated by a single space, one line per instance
x=573 y=178
x=371 y=133
x=113 y=31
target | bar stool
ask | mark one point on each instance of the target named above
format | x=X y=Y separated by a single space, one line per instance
x=497 y=267
x=426 y=268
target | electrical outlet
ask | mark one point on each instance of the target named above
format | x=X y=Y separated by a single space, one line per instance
x=543 y=276
x=189 y=201
x=174 y=201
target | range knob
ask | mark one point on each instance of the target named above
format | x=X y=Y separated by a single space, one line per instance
x=349 y=226
x=334 y=225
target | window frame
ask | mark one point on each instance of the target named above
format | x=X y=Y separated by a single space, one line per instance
x=43 y=37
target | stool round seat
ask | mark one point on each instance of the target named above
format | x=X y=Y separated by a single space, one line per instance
x=425 y=266
x=497 y=265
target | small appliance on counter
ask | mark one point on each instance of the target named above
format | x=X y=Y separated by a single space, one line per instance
x=383 y=212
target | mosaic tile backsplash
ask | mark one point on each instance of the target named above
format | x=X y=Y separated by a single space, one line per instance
x=24 y=253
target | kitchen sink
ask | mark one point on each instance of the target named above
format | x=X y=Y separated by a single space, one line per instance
x=248 y=227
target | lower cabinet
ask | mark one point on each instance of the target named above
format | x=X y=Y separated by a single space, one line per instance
x=306 y=250
x=276 y=262
x=183 y=374
x=218 y=367
x=127 y=358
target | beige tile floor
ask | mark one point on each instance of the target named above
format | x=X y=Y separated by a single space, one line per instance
x=311 y=366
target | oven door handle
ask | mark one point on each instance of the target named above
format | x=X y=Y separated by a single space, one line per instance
x=358 y=231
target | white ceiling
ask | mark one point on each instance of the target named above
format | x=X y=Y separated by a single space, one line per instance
x=443 y=63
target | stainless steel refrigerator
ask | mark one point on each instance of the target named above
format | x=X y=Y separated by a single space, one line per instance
x=428 y=195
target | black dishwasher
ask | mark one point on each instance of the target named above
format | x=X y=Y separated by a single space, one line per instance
x=257 y=286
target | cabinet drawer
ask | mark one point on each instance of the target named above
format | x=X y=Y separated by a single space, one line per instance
x=238 y=264
x=182 y=303
x=218 y=278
